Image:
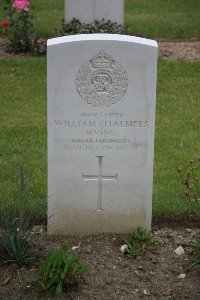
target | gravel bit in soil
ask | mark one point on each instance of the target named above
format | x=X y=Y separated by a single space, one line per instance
x=160 y=274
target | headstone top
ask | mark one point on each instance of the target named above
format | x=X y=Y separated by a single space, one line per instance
x=101 y=36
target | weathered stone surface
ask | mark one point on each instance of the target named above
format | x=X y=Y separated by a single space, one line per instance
x=101 y=115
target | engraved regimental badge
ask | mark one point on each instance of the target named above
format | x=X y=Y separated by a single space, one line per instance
x=102 y=81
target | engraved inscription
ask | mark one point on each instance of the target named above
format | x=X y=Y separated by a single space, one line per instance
x=99 y=131
x=102 y=81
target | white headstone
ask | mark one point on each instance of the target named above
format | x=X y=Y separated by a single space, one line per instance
x=101 y=115
x=89 y=10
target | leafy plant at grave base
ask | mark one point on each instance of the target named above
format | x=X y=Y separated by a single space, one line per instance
x=190 y=179
x=99 y=26
x=139 y=242
x=59 y=271
x=15 y=230
x=195 y=245
x=14 y=245
x=19 y=30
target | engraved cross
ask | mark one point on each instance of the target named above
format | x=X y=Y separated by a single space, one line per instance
x=99 y=178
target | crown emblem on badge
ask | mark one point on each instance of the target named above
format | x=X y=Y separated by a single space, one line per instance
x=102 y=60
x=101 y=81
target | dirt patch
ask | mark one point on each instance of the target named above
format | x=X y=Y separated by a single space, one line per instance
x=179 y=49
x=111 y=274
x=188 y=50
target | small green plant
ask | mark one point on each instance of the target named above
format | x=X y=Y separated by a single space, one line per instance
x=190 y=179
x=195 y=245
x=18 y=29
x=139 y=242
x=14 y=245
x=16 y=228
x=59 y=271
x=99 y=26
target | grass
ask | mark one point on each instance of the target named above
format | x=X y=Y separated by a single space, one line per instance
x=156 y=18
x=163 y=19
x=48 y=15
x=177 y=131
x=23 y=130
x=23 y=104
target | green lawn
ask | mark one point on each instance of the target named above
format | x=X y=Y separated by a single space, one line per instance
x=48 y=15
x=177 y=131
x=163 y=18
x=23 y=104
x=23 y=130
x=156 y=18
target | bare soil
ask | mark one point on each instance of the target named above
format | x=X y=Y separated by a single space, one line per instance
x=111 y=274
x=188 y=50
